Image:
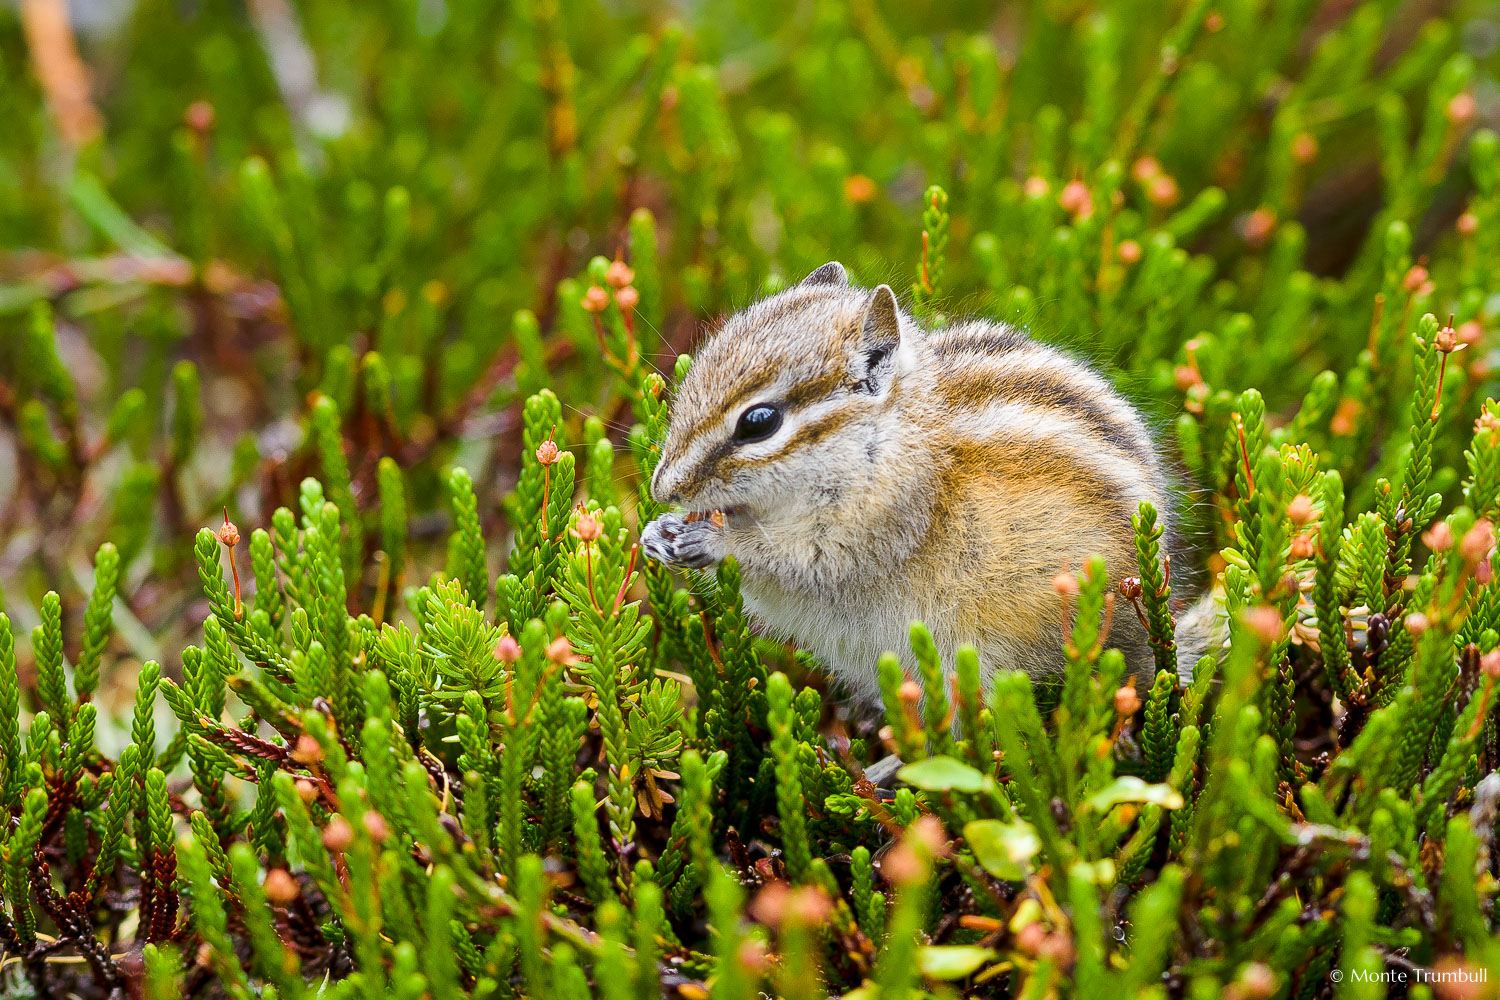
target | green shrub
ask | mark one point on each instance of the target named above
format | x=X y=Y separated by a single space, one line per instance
x=443 y=731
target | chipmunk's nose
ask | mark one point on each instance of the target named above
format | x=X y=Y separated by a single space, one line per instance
x=665 y=485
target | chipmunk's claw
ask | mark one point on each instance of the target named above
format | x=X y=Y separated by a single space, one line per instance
x=676 y=541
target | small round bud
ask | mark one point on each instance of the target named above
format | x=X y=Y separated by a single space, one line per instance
x=587 y=528
x=547 y=453
x=1264 y=622
x=1304 y=147
x=1127 y=701
x=1029 y=938
x=1478 y=542
x=1344 y=417
x=1416 y=277
x=560 y=650
x=1302 y=547
x=1301 y=510
x=1186 y=376
x=338 y=835
x=1467 y=224
x=1461 y=108
x=1470 y=332
x=280 y=887
x=619 y=274
x=1144 y=169
x=1438 y=538
x=230 y=533
x=507 y=650
x=1490 y=663
x=1065 y=583
x=1417 y=623
x=1163 y=192
x=307 y=750
x=1076 y=200
x=1058 y=948
x=1131 y=589
x=1257 y=982
x=306 y=791
x=1258 y=226
x=1214 y=22
x=910 y=692
x=1036 y=187
x=199 y=116
x=376 y=826
x=859 y=189
x=627 y=298
x=595 y=299
x=1129 y=252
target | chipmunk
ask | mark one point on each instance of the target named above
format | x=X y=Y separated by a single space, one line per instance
x=867 y=472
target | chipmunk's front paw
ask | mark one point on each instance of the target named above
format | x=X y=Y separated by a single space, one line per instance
x=676 y=541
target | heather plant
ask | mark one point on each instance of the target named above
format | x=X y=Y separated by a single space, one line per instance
x=404 y=290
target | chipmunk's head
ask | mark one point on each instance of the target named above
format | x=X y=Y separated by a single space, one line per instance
x=783 y=405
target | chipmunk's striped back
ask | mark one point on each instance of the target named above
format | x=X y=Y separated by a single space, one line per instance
x=873 y=473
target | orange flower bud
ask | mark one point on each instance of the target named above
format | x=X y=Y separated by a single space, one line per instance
x=1144 y=169
x=338 y=835
x=595 y=299
x=507 y=650
x=1304 y=147
x=1129 y=252
x=627 y=298
x=1478 y=542
x=1461 y=108
x=376 y=826
x=281 y=888
x=859 y=189
x=1127 y=701
x=619 y=274
x=560 y=650
x=1163 y=191
x=1258 y=226
x=199 y=116
x=587 y=528
x=1301 y=510
x=307 y=750
x=1438 y=538
x=548 y=453
x=1076 y=200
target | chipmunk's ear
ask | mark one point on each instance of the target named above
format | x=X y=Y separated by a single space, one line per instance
x=874 y=356
x=831 y=273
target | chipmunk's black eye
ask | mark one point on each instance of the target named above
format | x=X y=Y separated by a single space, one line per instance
x=757 y=424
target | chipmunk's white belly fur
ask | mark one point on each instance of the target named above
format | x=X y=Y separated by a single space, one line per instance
x=849 y=629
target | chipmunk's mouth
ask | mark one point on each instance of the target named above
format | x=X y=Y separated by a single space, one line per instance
x=720 y=514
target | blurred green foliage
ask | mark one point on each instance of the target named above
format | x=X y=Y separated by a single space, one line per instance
x=405 y=285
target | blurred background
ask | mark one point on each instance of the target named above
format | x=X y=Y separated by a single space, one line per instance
x=215 y=214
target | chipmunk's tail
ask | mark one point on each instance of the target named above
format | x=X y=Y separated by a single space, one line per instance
x=1202 y=629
